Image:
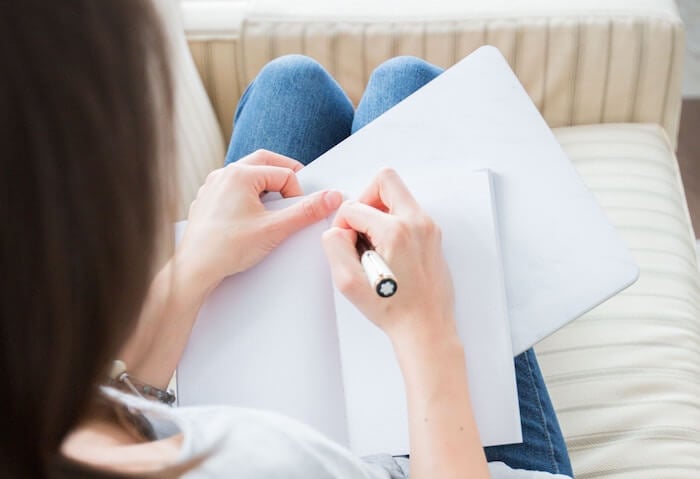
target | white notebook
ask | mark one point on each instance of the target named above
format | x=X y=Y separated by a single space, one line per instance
x=277 y=337
x=561 y=256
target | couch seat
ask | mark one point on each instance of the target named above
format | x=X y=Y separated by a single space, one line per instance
x=625 y=377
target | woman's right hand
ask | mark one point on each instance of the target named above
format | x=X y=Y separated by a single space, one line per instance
x=419 y=320
x=410 y=242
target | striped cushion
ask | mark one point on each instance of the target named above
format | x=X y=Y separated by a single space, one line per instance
x=625 y=378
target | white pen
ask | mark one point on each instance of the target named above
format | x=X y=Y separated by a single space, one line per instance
x=378 y=272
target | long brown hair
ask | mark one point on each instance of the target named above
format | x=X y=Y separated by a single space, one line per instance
x=85 y=132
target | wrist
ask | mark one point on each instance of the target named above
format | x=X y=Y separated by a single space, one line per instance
x=189 y=278
x=169 y=311
x=435 y=342
x=426 y=331
x=430 y=364
x=176 y=289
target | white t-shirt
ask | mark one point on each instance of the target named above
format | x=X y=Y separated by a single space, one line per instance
x=247 y=443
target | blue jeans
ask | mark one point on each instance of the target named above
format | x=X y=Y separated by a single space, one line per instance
x=294 y=107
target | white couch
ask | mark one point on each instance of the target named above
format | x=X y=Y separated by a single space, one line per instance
x=606 y=75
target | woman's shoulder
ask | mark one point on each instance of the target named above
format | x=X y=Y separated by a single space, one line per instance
x=242 y=442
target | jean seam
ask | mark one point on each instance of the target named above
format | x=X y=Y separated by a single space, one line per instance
x=542 y=416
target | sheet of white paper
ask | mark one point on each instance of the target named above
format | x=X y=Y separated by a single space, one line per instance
x=560 y=255
x=374 y=390
x=267 y=339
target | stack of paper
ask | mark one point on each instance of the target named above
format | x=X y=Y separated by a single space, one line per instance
x=277 y=337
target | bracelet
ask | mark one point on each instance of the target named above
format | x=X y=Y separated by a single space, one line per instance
x=119 y=378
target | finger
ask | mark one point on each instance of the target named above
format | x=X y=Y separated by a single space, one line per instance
x=388 y=192
x=363 y=219
x=191 y=208
x=272 y=178
x=199 y=192
x=213 y=175
x=306 y=212
x=346 y=269
x=269 y=158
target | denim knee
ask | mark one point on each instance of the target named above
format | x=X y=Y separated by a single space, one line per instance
x=390 y=83
x=289 y=74
x=293 y=107
x=300 y=69
x=404 y=69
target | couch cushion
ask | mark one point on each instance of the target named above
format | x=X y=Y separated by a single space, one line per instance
x=625 y=378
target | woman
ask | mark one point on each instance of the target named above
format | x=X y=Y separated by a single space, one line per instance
x=89 y=276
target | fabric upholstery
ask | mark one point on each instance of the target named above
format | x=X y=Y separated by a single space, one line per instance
x=625 y=378
x=582 y=61
x=200 y=146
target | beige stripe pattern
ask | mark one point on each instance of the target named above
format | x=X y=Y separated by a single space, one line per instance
x=625 y=378
x=577 y=70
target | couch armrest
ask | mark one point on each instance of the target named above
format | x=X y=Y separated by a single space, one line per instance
x=199 y=143
x=582 y=61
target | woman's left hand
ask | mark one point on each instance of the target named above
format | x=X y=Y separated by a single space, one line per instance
x=229 y=230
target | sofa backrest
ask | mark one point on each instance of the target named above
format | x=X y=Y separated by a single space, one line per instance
x=582 y=61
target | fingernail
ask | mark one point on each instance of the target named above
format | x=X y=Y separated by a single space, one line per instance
x=333 y=199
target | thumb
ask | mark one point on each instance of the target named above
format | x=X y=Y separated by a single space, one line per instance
x=307 y=211
x=346 y=269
